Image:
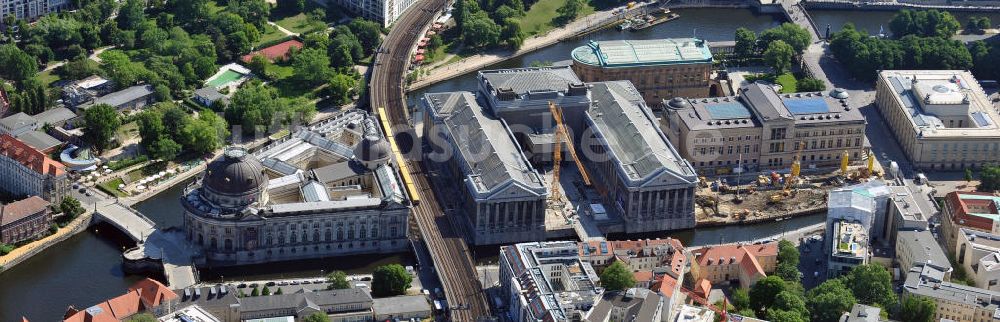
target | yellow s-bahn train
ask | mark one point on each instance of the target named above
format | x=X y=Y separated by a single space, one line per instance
x=403 y=167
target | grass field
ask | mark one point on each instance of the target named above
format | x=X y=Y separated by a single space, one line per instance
x=48 y=77
x=270 y=34
x=111 y=187
x=788 y=83
x=300 y=24
x=540 y=16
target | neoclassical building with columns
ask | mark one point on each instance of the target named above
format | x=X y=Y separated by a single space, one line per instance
x=327 y=190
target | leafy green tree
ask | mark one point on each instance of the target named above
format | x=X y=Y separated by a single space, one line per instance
x=317 y=317
x=480 y=31
x=511 y=33
x=779 y=56
x=989 y=178
x=968 y=175
x=17 y=65
x=279 y=292
x=345 y=48
x=925 y=23
x=788 y=253
x=617 y=277
x=102 y=121
x=792 y=302
x=266 y=291
x=871 y=285
x=165 y=149
x=337 y=280
x=131 y=15
x=204 y=134
x=787 y=272
x=6 y=249
x=342 y=88
x=917 y=308
x=764 y=292
x=777 y=315
x=311 y=66
x=746 y=43
x=390 y=280
x=568 y=11
x=255 y=292
x=740 y=298
x=829 y=300
x=151 y=128
x=71 y=207
x=790 y=33
x=78 y=69
x=369 y=33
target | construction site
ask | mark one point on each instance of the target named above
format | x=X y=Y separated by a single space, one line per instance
x=776 y=195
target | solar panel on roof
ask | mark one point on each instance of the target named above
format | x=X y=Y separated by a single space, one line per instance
x=807 y=106
x=727 y=111
x=981 y=119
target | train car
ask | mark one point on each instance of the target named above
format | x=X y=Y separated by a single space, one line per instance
x=404 y=170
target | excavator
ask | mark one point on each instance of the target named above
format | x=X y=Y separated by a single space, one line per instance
x=562 y=137
x=796 y=169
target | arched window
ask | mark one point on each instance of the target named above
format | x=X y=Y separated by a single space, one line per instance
x=295 y=238
x=270 y=240
x=363 y=232
x=315 y=235
x=350 y=233
x=340 y=233
x=328 y=235
x=215 y=244
x=375 y=232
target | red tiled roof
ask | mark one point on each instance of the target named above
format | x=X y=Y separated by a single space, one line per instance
x=29 y=157
x=665 y=285
x=22 y=208
x=142 y=295
x=960 y=212
x=728 y=252
x=643 y=276
x=703 y=287
x=751 y=266
x=273 y=52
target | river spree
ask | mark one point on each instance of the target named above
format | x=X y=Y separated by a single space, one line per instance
x=86 y=268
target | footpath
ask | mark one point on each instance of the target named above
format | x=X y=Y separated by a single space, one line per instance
x=24 y=252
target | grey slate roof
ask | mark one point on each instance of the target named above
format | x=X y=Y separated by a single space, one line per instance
x=17 y=121
x=927 y=281
x=338 y=171
x=861 y=313
x=521 y=80
x=490 y=158
x=924 y=248
x=209 y=93
x=621 y=118
x=55 y=115
x=121 y=97
x=401 y=304
x=39 y=140
x=299 y=301
x=640 y=304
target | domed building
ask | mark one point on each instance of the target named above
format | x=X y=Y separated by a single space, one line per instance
x=328 y=190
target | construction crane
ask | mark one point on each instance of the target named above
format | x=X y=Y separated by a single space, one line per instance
x=562 y=136
x=796 y=169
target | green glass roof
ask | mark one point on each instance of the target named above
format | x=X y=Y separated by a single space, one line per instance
x=995 y=200
x=634 y=53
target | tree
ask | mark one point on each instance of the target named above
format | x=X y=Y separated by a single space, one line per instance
x=71 y=207
x=617 y=277
x=871 y=285
x=792 y=34
x=102 y=121
x=810 y=84
x=568 y=11
x=740 y=298
x=131 y=15
x=6 y=249
x=17 y=65
x=266 y=291
x=746 y=43
x=788 y=253
x=165 y=149
x=968 y=175
x=337 y=280
x=255 y=292
x=926 y=23
x=779 y=56
x=480 y=31
x=279 y=292
x=791 y=302
x=390 y=280
x=204 y=134
x=317 y=317
x=787 y=272
x=311 y=66
x=917 y=308
x=776 y=315
x=511 y=33
x=369 y=33
x=989 y=178
x=763 y=293
x=78 y=69
x=341 y=88
x=829 y=300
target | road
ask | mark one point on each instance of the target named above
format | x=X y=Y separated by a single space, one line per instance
x=452 y=259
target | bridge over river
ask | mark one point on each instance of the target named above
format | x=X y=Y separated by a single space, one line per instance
x=155 y=248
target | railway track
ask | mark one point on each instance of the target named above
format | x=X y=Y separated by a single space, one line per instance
x=452 y=259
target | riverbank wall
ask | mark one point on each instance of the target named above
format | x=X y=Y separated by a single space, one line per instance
x=20 y=254
x=803 y=212
x=891 y=6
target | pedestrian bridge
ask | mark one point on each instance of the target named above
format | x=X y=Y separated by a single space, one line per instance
x=128 y=220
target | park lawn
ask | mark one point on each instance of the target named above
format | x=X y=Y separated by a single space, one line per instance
x=539 y=17
x=788 y=83
x=300 y=24
x=48 y=77
x=128 y=131
x=111 y=187
x=270 y=34
x=280 y=70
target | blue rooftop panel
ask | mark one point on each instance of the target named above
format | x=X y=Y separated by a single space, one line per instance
x=807 y=106
x=728 y=111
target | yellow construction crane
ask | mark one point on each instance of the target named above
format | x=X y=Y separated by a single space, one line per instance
x=562 y=136
x=796 y=166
